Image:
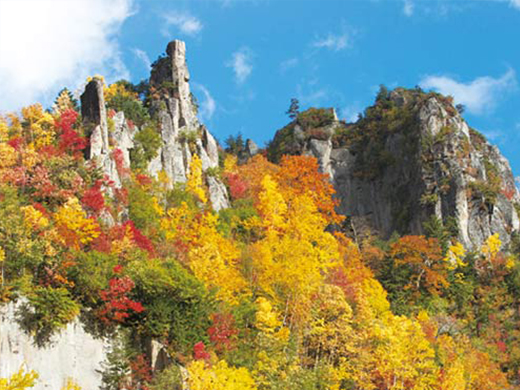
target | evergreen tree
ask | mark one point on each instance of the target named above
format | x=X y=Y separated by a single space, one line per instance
x=64 y=101
x=235 y=144
x=294 y=108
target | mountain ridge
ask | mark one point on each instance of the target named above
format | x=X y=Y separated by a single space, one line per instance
x=410 y=145
x=136 y=249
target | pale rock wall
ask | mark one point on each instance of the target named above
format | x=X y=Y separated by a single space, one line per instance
x=71 y=353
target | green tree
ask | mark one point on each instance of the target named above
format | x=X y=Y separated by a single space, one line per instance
x=294 y=109
x=235 y=144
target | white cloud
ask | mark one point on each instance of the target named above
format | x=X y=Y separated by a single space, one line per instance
x=229 y=3
x=143 y=57
x=442 y=8
x=208 y=106
x=512 y=3
x=478 y=95
x=184 y=22
x=48 y=44
x=289 y=63
x=310 y=94
x=408 y=8
x=241 y=63
x=351 y=112
x=333 y=42
x=494 y=135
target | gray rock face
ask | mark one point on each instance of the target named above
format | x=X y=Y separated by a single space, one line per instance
x=181 y=132
x=322 y=150
x=467 y=178
x=73 y=353
x=251 y=148
x=94 y=116
x=217 y=193
x=123 y=136
x=429 y=164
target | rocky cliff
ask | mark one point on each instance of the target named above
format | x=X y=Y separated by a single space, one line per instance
x=72 y=354
x=174 y=112
x=411 y=161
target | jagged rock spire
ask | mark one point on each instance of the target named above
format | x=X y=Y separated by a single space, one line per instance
x=94 y=117
x=181 y=133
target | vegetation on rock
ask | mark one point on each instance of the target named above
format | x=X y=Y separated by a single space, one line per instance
x=267 y=294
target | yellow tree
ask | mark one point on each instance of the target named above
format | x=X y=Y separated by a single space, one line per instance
x=465 y=367
x=455 y=256
x=212 y=257
x=394 y=354
x=195 y=185
x=4 y=129
x=330 y=335
x=20 y=380
x=220 y=376
x=290 y=260
x=72 y=222
x=40 y=125
x=424 y=257
x=63 y=102
x=490 y=249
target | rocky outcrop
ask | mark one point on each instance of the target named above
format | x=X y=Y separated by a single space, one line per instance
x=93 y=112
x=73 y=353
x=252 y=148
x=123 y=136
x=174 y=112
x=181 y=132
x=412 y=159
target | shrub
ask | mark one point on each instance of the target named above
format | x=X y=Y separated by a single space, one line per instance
x=141 y=208
x=50 y=310
x=177 y=304
x=176 y=196
x=315 y=117
x=90 y=274
x=233 y=221
x=93 y=198
x=168 y=379
x=120 y=97
x=283 y=143
x=238 y=187
x=146 y=145
x=70 y=140
x=319 y=134
x=188 y=136
x=117 y=304
x=20 y=380
x=477 y=139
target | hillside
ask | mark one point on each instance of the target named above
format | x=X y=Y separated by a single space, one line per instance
x=135 y=253
x=409 y=163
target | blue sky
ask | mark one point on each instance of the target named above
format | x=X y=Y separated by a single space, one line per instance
x=249 y=58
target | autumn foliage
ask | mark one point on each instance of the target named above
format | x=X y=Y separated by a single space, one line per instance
x=117 y=305
x=273 y=292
